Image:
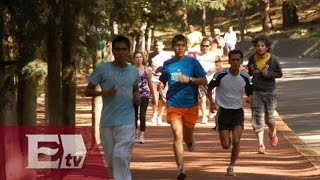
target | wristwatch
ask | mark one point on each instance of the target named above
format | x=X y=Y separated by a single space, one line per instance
x=190 y=79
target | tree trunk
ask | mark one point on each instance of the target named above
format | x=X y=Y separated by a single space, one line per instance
x=137 y=38
x=270 y=19
x=204 y=19
x=184 y=25
x=212 y=23
x=15 y=161
x=148 y=38
x=289 y=14
x=27 y=86
x=1 y=35
x=96 y=104
x=143 y=36
x=68 y=65
x=2 y=153
x=29 y=101
x=241 y=21
x=54 y=65
x=265 y=6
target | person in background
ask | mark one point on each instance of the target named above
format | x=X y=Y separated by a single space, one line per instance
x=119 y=90
x=230 y=84
x=183 y=75
x=155 y=61
x=210 y=63
x=194 y=39
x=230 y=38
x=217 y=41
x=145 y=89
x=264 y=69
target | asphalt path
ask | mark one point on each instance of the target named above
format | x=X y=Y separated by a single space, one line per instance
x=299 y=98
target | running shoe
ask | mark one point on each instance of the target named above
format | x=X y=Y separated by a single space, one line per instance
x=204 y=120
x=154 y=118
x=230 y=172
x=141 y=140
x=274 y=140
x=159 y=121
x=191 y=146
x=181 y=175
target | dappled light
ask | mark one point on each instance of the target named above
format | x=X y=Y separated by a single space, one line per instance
x=209 y=159
x=296 y=77
x=71 y=38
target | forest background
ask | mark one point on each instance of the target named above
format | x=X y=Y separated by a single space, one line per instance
x=49 y=43
x=45 y=45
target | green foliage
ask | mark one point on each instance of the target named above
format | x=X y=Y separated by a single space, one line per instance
x=36 y=69
x=217 y=5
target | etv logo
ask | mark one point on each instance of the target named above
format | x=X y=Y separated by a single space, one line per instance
x=72 y=146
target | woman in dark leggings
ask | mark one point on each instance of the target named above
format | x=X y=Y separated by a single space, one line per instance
x=146 y=89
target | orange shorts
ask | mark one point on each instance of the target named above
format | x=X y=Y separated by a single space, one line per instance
x=189 y=116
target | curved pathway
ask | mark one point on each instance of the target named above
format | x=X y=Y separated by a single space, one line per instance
x=299 y=102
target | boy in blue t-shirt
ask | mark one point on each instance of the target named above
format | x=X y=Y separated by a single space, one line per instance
x=119 y=83
x=183 y=75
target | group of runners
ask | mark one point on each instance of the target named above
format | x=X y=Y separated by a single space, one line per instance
x=177 y=82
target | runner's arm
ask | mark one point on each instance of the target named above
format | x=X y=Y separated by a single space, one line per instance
x=91 y=91
x=136 y=94
x=149 y=70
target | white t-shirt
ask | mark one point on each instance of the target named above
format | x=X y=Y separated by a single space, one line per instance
x=157 y=62
x=230 y=37
x=207 y=61
x=229 y=88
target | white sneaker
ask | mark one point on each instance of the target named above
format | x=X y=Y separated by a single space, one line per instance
x=154 y=118
x=159 y=121
x=141 y=140
x=204 y=120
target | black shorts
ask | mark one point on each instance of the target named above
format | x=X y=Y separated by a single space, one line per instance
x=227 y=119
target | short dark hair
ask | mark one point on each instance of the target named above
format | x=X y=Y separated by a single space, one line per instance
x=121 y=39
x=206 y=39
x=158 y=40
x=177 y=38
x=235 y=51
x=264 y=39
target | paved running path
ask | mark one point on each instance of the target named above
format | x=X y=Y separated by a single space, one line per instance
x=155 y=159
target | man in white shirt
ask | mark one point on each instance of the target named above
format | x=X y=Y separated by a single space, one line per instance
x=155 y=60
x=210 y=63
x=230 y=38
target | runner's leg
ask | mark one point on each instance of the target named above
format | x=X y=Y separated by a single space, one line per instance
x=236 y=135
x=177 y=129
